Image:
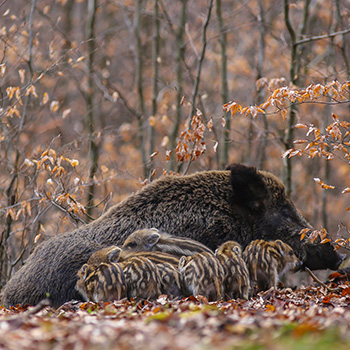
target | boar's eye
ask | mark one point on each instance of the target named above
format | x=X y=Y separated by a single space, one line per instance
x=286 y=213
x=257 y=207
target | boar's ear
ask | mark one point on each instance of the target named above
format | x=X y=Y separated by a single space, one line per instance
x=152 y=239
x=113 y=255
x=249 y=190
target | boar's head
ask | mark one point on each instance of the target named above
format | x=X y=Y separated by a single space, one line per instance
x=260 y=197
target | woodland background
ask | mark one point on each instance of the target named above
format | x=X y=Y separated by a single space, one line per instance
x=100 y=97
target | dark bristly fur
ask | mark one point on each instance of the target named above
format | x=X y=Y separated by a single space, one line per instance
x=153 y=240
x=202 y=274
x=267 y=260
x=237 y=283
x=212 y=207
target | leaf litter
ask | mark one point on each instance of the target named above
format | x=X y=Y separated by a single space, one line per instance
x=275 y=319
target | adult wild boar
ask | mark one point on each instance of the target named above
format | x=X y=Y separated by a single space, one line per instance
x=240 y=204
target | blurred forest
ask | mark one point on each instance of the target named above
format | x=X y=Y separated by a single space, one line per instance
x=100 y=97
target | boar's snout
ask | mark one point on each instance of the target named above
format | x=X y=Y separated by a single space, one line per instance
x=341 y=259
x=322 y=256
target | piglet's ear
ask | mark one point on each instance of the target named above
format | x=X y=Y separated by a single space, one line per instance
x=237 y=250
x=152 y=239
x=280 y=246
x=114 y=254
x=182 y=262
x=249 y=189
x=83 y=271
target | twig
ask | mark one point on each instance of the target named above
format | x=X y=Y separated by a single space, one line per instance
x=37 y=308
x=105 y=199
x=317 y=280
x=13 y=264
x=106 y=84
x=190 y=40
x=320 y=37
x=31 y=20
x=32 y=311
x=73 y=216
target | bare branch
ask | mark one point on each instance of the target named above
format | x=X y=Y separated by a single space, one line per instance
x=72 y=215
x=317 y=280
x=321 y=37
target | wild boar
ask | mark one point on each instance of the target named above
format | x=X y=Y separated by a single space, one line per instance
x=101 y=278
x=167 y=267
x=267 y=261
x=142 y=278
x=202 y=274
x=237 y=282
x=170 y=283
x=156 y=257
x=240 y=204
x=153 y=240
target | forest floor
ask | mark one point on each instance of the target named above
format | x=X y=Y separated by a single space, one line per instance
x=314 y=316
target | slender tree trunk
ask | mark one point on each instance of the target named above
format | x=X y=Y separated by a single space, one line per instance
x=179 y=81
x=226 y=141
x=156 y=51
x=295 y=65
x=345 y=43
x=287 y=174
x=261 y=95
x=90 y=103
x=139 y=86
x=328 y=111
